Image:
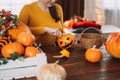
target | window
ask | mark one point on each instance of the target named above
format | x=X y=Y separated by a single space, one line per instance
x=105 y=12
x=111 y=10
x=13 y=5
x=110 y=4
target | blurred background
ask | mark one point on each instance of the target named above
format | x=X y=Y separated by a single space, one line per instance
x=104 y=12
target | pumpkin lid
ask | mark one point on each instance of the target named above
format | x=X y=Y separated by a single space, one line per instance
x=65 y=53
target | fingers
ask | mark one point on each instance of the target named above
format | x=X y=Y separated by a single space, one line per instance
x=54 y=31
x=58 y=33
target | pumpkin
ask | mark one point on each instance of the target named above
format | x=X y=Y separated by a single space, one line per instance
x=26 y=38
x=66 y=41
x=93 y=55
x=112 y=44
x=14 y=32
x=68 y=23
x=31 y=51
x=51 y=71
x=3 y=42
x=1 y=37
x=11 y=48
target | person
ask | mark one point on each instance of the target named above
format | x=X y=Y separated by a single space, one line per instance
x=45 y=20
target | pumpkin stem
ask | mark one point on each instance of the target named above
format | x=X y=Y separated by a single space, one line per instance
x=56 y=62
x=54 y=65
x=58 y=56
x=37 y=46
x=94 y=46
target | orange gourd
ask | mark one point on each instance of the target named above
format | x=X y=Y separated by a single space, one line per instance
x=93 y=55
x=11 y=48
x=112 y=44
x=14 y=32
x=31 y=51
x=26 y=38
x=66 y=41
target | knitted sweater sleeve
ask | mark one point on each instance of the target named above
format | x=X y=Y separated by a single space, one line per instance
x=24 y=17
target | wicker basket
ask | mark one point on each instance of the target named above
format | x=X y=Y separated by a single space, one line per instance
x=90 y=37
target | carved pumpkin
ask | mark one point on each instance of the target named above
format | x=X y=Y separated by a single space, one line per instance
x=26 y=38
x=11 y=48
x=66 y=41
x=14 y=32
x=113 y=44
x=51 y=71
x=31 y=51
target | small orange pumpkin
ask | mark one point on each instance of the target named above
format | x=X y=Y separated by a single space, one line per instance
x=31 y=51
x=113 y=44
x=14 y=32
x=26 y=38
x=93 y=54
x=68 y=23
x=66 y=41
x=11 y=48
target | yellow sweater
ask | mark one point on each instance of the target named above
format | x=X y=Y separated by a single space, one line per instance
x=37 y=19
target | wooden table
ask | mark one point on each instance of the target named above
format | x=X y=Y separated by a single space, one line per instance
x=79 y=69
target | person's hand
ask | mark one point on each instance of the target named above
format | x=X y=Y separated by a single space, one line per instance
x=53 y=31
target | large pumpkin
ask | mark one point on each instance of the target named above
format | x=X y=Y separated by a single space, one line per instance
x=66 y=41
x=26 y=38
x=11 y=48
x=51 y=71
x=14 y=32
x=113 y=44
x=31 y=51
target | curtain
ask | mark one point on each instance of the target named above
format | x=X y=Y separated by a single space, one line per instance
x=93 y=11
x=105 y=12
x=112 y=11
x=72 y=7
